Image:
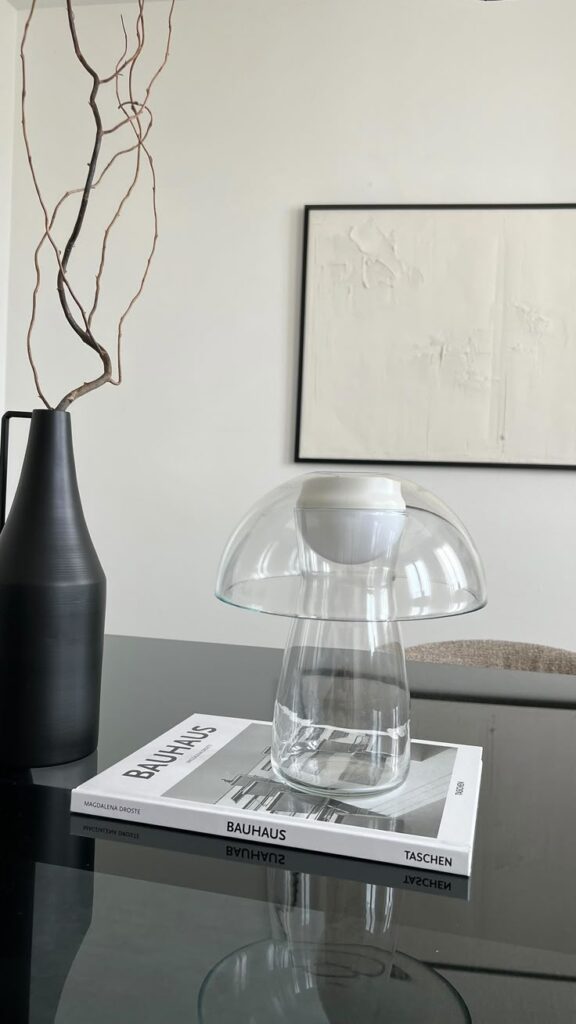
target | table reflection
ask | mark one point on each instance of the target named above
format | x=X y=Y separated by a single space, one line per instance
x=330 y=967
x=46 y=902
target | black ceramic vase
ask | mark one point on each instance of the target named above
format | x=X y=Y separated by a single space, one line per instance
x=52 y=605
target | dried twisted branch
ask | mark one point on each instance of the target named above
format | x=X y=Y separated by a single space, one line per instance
x=141 y=140
x=144 y=277
x=140 y=33
x=138 y=116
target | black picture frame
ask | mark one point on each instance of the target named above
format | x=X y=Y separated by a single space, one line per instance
x=308 y=210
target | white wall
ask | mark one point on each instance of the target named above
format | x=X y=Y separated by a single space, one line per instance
x=7 y=86
x=265 y=106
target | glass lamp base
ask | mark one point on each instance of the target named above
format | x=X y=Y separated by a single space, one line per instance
x=341 y=719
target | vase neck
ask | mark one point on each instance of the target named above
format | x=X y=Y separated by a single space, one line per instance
x=49 y=472
x=45 y=536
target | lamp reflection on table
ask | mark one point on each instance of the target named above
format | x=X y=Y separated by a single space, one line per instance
x=46 y=889
x=334 y=966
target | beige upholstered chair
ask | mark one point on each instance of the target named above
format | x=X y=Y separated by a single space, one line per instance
x=497 y=654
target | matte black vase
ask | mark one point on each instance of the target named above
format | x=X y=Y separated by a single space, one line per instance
x=52 y=606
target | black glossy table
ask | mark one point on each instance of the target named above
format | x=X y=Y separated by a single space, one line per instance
x=102 y=922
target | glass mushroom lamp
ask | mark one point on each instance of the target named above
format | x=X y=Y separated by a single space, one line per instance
x=348 y=557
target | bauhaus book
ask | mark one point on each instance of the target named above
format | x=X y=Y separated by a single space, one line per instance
x=213 y=775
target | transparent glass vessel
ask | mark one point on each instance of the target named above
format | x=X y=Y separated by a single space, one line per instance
x=283 y=983
x=348 y=556
x=341 y=719
x=331 y=959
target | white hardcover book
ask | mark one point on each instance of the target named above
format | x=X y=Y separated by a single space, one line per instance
x=213 y=775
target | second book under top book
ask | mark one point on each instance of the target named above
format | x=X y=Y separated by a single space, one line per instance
x=213 y=775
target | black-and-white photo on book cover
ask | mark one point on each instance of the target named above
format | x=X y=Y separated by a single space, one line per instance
x=240 y=776
x=210 y=774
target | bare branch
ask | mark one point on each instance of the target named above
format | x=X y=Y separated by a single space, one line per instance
x=140 y=36
x=152 y=250
x=76 y=191
x=31 y=323
x=85 y=334
x=144 y=277
x=107 y=232
x=140 y=136
x=123 y=63
x=47 y=234
x=84 y=389
x=159 y=69
x=43 y=206
x=133 y=113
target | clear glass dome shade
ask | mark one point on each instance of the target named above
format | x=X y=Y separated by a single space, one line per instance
x=352 y=547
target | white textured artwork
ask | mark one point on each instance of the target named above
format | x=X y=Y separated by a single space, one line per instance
x=440 y=335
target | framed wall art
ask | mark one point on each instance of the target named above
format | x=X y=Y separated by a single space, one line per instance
x=438 y=334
